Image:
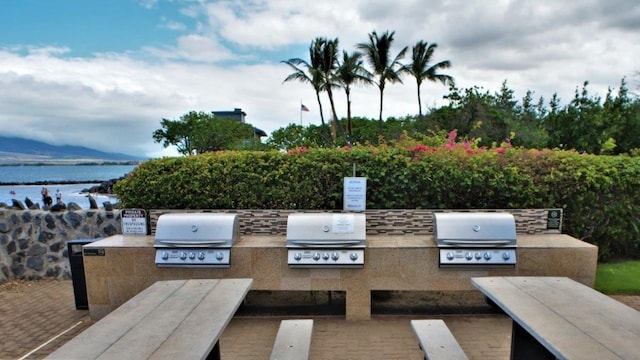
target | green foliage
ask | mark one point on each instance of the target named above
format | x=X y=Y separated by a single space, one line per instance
x=599 y=194
x=199 y=132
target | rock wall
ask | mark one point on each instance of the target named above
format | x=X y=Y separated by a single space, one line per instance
x=33 y=242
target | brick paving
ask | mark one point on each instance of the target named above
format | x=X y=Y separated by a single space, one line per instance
x=33 y=313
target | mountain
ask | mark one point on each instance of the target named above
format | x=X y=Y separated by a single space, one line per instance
x=18 y=150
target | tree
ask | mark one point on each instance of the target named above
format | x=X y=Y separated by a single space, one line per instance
x=178 y=133
x=309 y=73
x=292 y=136
x=350 y=71
x=378 y=53
x=326 y=53
x=199 y=132
x=421 y=69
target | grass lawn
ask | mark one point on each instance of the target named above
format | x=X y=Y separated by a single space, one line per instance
x=619 y=278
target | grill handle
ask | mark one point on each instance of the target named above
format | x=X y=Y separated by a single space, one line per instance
x=476 y=242
x=323 y=242
x=192 y=243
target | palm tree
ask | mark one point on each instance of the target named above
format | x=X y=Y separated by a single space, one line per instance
x=349 y=72
x=308 y=73
x=421 y=69
x=326 y=58
x=377 y=53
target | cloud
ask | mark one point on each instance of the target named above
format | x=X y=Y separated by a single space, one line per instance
x=231 y=58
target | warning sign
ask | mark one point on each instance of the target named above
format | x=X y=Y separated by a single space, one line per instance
x=134 y=222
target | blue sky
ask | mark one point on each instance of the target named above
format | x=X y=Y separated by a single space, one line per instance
x=104 y=73
x=87 y=26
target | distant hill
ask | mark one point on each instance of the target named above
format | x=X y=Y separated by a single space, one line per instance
x=18 y=150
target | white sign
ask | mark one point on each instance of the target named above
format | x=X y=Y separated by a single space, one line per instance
x=343 y=223
x=355 y=194
x=134 y=221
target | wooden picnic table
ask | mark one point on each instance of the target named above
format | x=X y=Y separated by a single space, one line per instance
x=175 y=319
x=556 y=317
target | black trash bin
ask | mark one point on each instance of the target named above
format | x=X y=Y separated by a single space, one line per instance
x=74 y=250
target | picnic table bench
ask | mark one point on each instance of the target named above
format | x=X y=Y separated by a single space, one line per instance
x=437 y=341
x=293 y=340
x=175 y=319
x=556 y=317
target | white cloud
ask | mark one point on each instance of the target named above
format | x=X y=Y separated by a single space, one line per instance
x=172 y=25
x=114 y=101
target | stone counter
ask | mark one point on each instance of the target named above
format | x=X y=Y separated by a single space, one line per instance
x=392 y=262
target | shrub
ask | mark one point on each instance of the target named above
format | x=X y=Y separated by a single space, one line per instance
x=599 y=194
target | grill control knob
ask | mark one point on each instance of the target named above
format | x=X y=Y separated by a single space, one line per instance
x=487 y=256
x=506 y=256
x=478 y=256
x=219 y=256
x=450 y=256
x=316 y=256
x=201 y=256
x=192 y=255
x=353 y=256
x=165 y=255
x=468 y=256
x=325 y=256
x=297 y=256
x=183 y=255
x=335 y=256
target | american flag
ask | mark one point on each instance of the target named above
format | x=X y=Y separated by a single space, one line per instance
x=303 y=108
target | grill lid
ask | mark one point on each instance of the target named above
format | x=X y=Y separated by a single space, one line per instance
x=474 y=229
x=325 y=229
x=196 y=230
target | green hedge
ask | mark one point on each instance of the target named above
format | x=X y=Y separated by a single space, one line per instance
x=600 y=195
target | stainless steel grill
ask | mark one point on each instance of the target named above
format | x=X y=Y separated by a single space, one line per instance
x=324 y=240
x=475 y=239
x=195 y=239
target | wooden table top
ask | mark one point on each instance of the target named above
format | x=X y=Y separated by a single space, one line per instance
x=169 y=320
x=570 y=319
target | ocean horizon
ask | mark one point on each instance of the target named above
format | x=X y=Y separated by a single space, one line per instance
x=63 y=174
x=17 y=182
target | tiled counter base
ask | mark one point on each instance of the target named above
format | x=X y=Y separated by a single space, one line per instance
x=395 y=262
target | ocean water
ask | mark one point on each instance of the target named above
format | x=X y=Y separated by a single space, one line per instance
x=62 y=173
x=86 y=176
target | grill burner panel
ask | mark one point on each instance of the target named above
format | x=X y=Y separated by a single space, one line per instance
x=475 y=239
x=323 y=240
x=195 y=239
x=308 y=258
x=480 y=256
x=193 y=257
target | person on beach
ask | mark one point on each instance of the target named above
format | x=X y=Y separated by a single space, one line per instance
x=58 y=196
x=46 y=199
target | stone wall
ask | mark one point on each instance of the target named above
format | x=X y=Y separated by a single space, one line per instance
x=33 y=242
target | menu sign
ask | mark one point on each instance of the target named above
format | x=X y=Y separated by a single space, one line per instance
x=134 y=221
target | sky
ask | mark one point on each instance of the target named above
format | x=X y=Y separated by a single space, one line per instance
x=103 y=74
